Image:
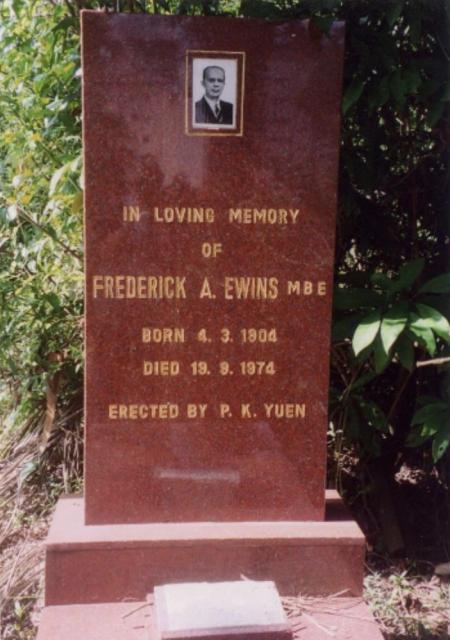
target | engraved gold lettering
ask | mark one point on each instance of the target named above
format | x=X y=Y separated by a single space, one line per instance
x=109 y=282
x=97 y=285
x=306 y=288
x=196 y=410
x=161 y=368
x=141 y=286
x=206 y=291
x=263 y=216
x=153 y=287
x=130 y=287
x=131 y=214
x=259 y=335
x=112 y=412
x=225 y=411
x=250 y=288
x=190 y=215
x=163 y=335
x=245 y=411
x=123 y=411
x=257 y=368
x=143 y=411
x=285 y=410
x=120 y=287
x=211 y=249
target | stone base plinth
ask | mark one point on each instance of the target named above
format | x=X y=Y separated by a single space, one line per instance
x=116 y=563
x=349 y=619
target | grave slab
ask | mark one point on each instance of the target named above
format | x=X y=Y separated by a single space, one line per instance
x=106 y=563
x=241 y=610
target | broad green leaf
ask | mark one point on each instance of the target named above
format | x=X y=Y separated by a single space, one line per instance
x=417 y=437
x=51 y=231
x=363 y=380
x=430 y=412
x=408 y=274
x=405 y=352
x=77 y=202
x=392 y=325
x=381 y=358
x=53 y=299
x=431 y=427
x=366 y=332
x=352 y=95
x=68 y=167
x=12 y=212
x=440 y=284
x=56 y=177
x=75 y=164
x=434 y=419
x=69 y=21
x=440 y=442
x=435 y=321
x=422 y=333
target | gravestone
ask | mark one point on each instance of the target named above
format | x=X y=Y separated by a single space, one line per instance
x=209 y=268
x=211 y=153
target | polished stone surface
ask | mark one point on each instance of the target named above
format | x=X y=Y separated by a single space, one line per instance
x=107 y=563
x=348 y=619
x=208 y=433
x=240 y=609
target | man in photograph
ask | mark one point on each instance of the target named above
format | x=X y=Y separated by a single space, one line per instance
x=211 y=109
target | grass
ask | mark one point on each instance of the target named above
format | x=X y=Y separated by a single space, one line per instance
x=31 y=479
x=409 y=605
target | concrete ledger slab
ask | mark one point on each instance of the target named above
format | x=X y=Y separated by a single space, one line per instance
x=111 y=563
x=241 y=610
x=346 y=619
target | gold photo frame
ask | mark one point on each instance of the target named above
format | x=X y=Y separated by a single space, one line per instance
x=228 y=119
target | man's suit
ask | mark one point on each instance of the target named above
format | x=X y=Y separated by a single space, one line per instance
x=205 y=115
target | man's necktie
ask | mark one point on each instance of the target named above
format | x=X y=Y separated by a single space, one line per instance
x=217 y=110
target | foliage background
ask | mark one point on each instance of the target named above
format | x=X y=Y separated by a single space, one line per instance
x=390 y=389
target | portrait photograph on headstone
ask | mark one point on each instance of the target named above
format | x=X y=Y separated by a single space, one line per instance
x=214 y=92
x=224 y=320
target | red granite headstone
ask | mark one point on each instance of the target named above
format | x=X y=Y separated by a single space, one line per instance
x=211 y=150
